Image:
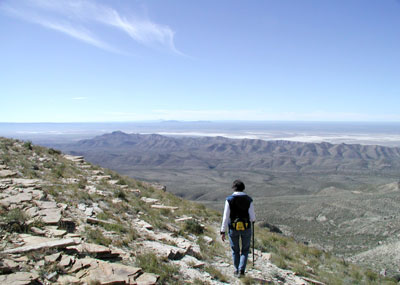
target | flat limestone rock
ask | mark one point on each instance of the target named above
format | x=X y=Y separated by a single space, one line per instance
x=188 y=246
x=183 y=219
x=102 y=177
x=50 y=216
x=192 y=261
x=91 y=248
x=45 y=245
x=67 y=280
x=112 y=273
x=38 y=231
x=142 y=224
x=32 y=212
x=52 y=258
x=208 y=239
x=46 y=204
x=9 y=264
x=66 y=261
x=54 y=232
x=32 y=240
x=37 y=194
x=18 y=278
x=17 y=199
x=95 y=221
x=164 y=250
x=74 y=158
x=149 y=200
x=7 y=173
x=164 y=207
x=147 y=279
x=83 y=263
x=25 y=183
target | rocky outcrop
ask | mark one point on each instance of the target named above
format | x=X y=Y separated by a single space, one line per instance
x=19 y=278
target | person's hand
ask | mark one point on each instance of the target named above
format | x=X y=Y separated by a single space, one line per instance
x=223 y=236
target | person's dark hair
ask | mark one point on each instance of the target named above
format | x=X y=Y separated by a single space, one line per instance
x=238 y=186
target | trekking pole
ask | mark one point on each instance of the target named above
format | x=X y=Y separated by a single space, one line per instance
x=253 y=241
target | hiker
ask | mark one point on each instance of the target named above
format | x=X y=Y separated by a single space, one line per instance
x=238 y=217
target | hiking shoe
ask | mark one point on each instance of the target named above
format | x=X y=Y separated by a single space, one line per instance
x=239 y=274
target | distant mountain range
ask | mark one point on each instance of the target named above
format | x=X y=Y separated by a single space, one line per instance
x=120 y=150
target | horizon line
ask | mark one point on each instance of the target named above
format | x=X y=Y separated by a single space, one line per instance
x=204 y=121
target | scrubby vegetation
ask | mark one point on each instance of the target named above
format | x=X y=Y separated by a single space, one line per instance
x=169 y=274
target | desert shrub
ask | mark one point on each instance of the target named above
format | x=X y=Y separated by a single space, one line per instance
x=16 y=215
x=59 y=170
x=16 y=220
x=37 y=223
x=166 y=213
x=300 y=269
x=52 y=191
x=122 y=181
x=150 y=262
x=356 y=275
x=127 y=238
x=194 y=227
x=96 y=236
x=106 y=215
x=210 y=251
x=82 y=196
x=199 y=282
x=53 y=151
x=118 y=228
x=216 y=274
x=119 y=193
x=279 y=261
x=82 y=183
x=371 y=275
x=317 y=253
x=28 y=145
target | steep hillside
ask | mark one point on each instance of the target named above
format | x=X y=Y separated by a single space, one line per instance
x=66 y=221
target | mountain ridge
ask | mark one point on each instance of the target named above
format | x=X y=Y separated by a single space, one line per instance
x=157 y=151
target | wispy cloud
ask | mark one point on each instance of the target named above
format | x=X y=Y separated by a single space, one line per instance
x=83 y=20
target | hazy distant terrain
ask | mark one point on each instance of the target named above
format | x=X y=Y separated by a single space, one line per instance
x=201 y=168
x=366 y=133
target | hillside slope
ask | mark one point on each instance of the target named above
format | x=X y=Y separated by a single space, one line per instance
x=121 y=150
x=65 y=221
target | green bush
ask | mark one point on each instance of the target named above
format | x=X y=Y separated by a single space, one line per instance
x=150 y=262
x=119 y=193
x=96 y=236
x=59 y=170
x=28 y=145
x=53 y=151
x=193 y=226
x=16 y=220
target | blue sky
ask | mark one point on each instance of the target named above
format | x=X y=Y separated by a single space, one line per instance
x=308 y=60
